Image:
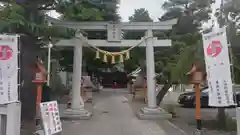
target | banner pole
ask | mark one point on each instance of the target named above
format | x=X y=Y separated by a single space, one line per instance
x=198 y=107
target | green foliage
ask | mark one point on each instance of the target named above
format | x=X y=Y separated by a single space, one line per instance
x=140 y=15
x=229 y=15
x=84 y=10
x=35 y=5
x=172 y=63
x=191 y=13
x=28 y=18
x=137 y=54
x=228 y=12
x=16 y=18
x=187 y=46
x=72 y=10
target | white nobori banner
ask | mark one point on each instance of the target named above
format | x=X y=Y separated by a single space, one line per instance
x=218 y=68
x=8 y=69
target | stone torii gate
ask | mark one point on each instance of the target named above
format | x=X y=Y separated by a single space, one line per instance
x=114 y=36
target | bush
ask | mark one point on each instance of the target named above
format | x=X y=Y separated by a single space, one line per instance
x=58 y=89
x=170 y=108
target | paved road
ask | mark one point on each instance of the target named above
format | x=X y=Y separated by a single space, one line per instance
x=112 y=116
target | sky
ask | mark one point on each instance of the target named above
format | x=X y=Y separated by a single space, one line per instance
x=153 y=6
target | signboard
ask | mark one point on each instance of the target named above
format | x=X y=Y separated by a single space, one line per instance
x=50 y=117
x=8 y=69
x=218 y=68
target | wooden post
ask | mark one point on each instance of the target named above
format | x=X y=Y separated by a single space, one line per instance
x=40 y=79
x=196 y=79
x=39 y=99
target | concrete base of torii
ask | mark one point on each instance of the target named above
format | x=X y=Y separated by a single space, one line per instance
x=153 y=114
x=80 y=114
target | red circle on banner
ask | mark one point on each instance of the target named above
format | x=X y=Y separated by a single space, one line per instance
x=50 y=109
x=214 y=49
x=5 y=52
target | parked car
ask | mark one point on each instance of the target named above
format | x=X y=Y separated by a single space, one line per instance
x=188 y=98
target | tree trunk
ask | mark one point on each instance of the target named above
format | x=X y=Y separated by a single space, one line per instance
x=163 y=92
x=28 y=89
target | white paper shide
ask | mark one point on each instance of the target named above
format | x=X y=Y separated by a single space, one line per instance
x=218 y=68
x=50 y=117
x=8 y=69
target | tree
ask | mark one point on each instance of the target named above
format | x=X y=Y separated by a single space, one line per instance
x=229 y=14
x=140 y=15
x=137 y=54
x=28 y=18
x=186 y=40
x=85 y=10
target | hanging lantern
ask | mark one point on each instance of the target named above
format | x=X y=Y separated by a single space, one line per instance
x=113 y=59
x=105 y=58
x=121 y=58
x=127 y=55
x=97 y=54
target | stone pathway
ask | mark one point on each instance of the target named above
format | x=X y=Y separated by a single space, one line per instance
x=112 y=115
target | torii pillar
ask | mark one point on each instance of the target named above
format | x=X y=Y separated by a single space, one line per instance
x=77 y=110
x=152 y=111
